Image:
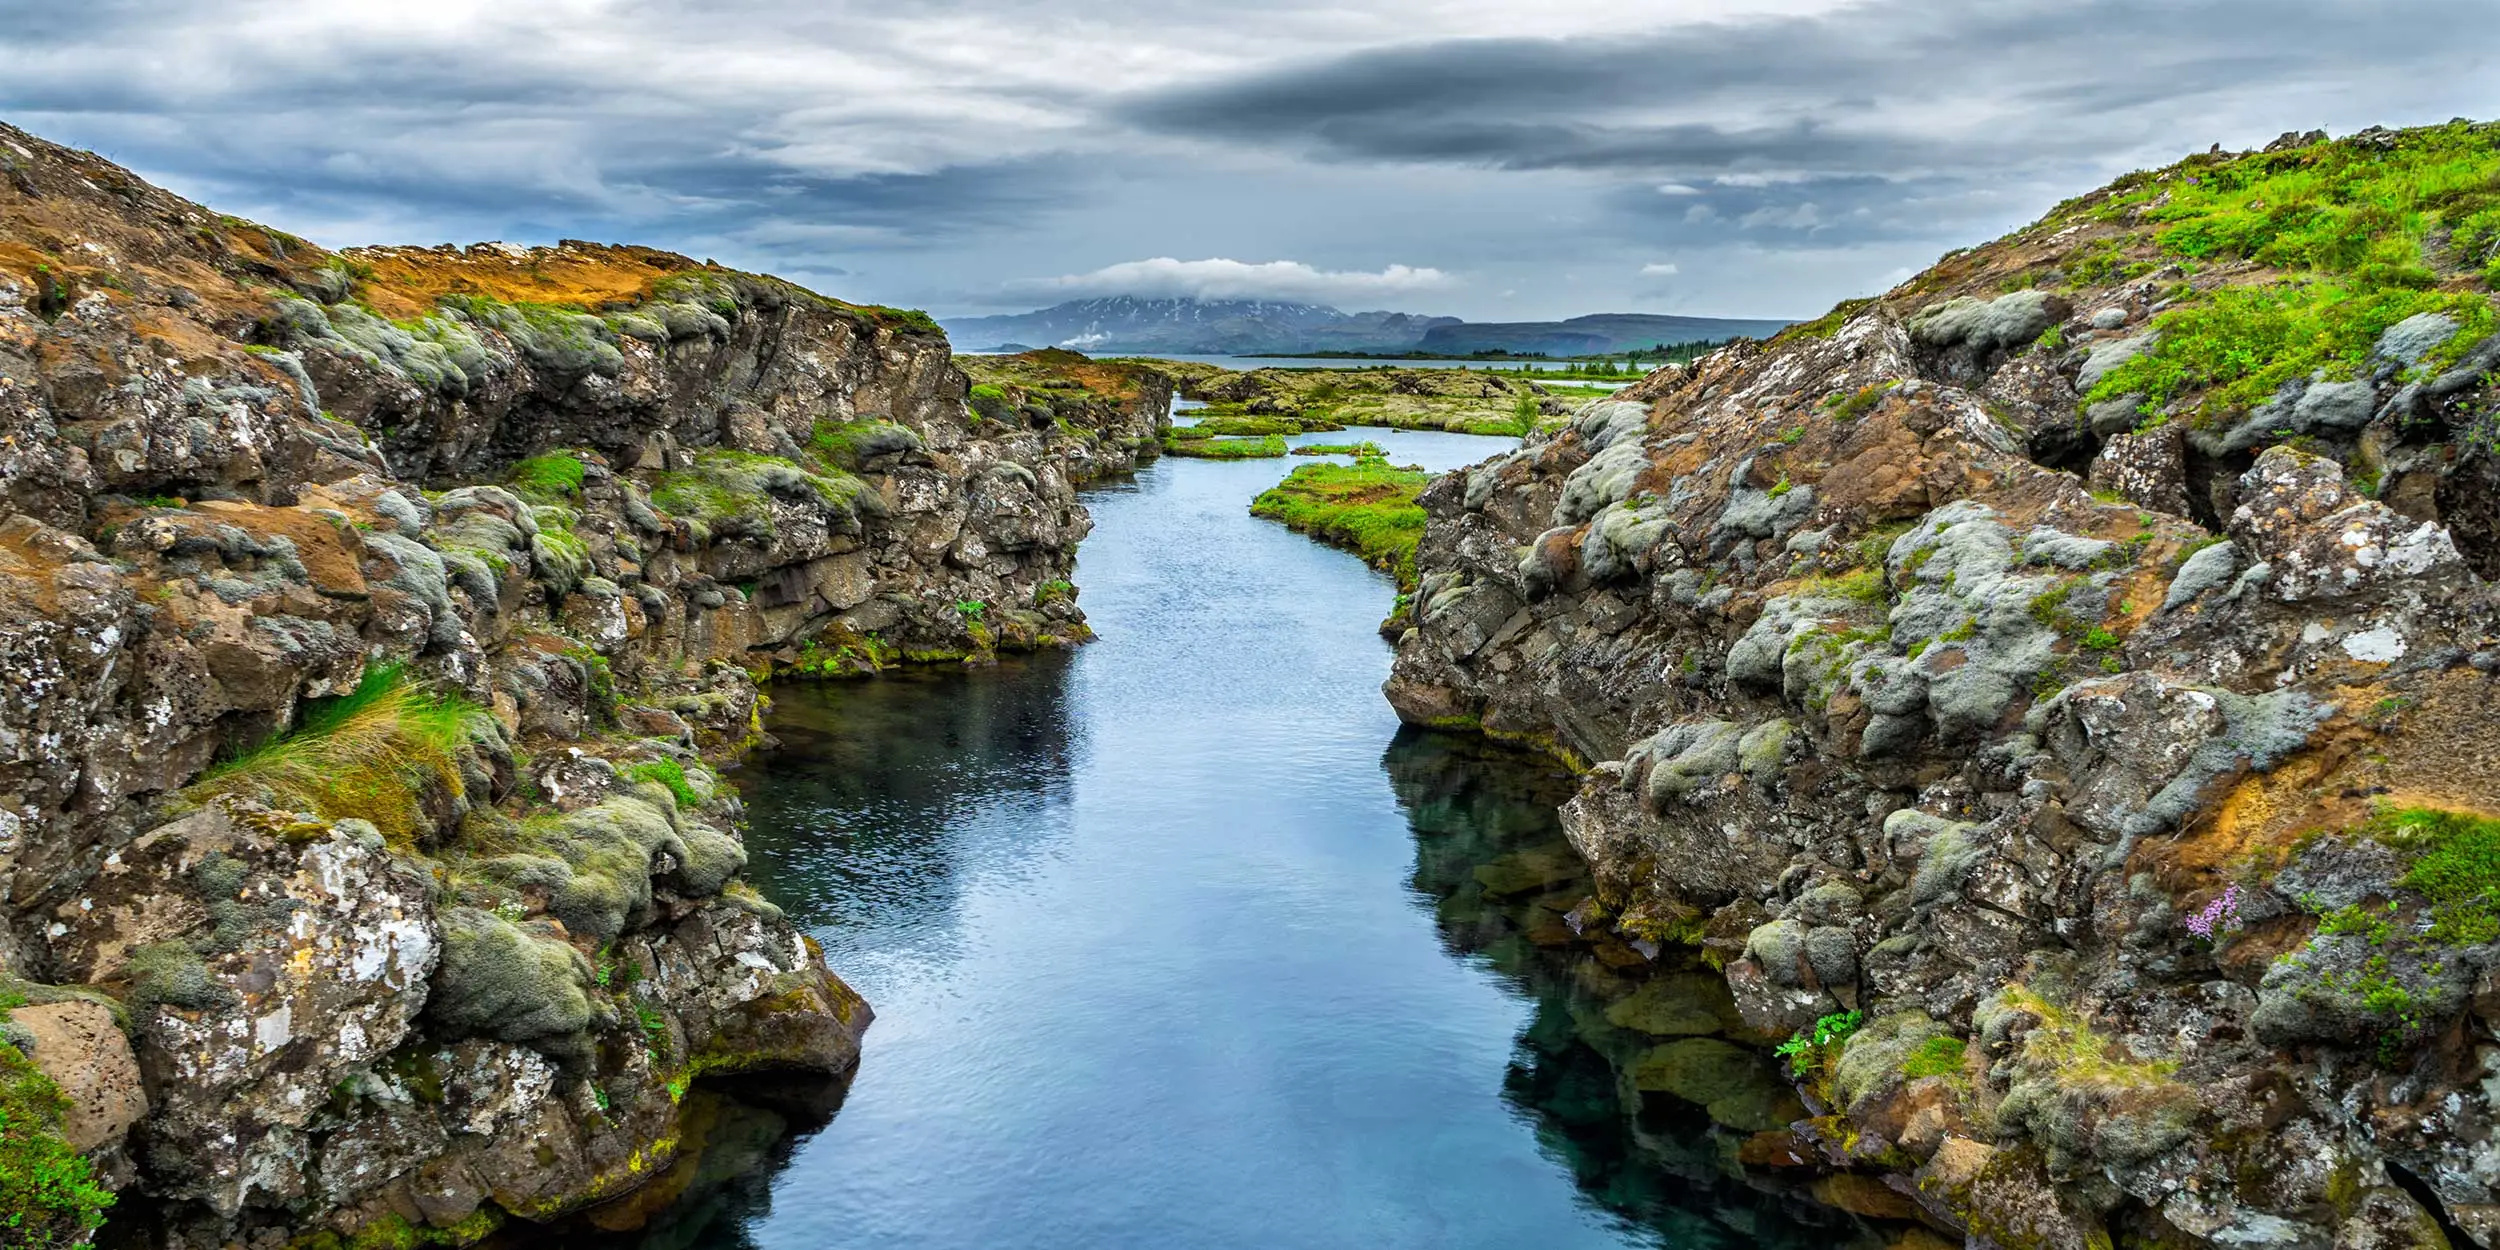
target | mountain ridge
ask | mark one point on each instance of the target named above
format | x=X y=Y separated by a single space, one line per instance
x=1119 y=324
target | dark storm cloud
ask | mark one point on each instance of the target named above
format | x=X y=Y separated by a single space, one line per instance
x=1873 y=88
x=949 y=147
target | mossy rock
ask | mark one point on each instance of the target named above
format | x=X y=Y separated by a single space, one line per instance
x=1528 y=871
x=1737 y=1087
x=501 y=981
x=1676 y=1005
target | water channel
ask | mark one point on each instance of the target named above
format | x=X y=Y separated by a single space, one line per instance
x=1180 y=940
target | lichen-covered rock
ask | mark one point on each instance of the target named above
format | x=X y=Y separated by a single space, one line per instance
x=2094 y=711
x=585 y=494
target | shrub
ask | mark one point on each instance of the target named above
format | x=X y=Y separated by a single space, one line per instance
x=371 y=754
x=48 y=1196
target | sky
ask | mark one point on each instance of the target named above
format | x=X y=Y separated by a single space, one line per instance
x=1496 y=161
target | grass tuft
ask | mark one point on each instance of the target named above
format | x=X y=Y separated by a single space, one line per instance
x=370 y=754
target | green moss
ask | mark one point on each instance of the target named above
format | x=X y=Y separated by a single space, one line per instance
x=731 y=492
x=1367 y=507
x=48 y=1195
x=1937 y=1056
x=551 y=478
x=668 y=773
x=2458 y=870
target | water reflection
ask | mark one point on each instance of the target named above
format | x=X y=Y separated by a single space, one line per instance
x=905 y=787
x=1163 y=956
x=1614 y=1035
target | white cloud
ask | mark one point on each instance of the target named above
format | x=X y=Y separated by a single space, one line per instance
x=1677 y=189
x=1659 y=270
x=1220 y=278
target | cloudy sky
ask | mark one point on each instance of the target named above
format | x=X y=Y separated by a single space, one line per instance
x=1481 y=158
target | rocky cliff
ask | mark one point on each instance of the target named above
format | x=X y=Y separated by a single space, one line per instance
x=2060 y=692
x=373 y=623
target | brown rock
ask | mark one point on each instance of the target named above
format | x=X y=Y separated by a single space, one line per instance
x=83 y=1051
x=1860 y=1194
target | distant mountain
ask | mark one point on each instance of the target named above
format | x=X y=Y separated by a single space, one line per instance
x=1126 y=324
x=1592 y=335
x=1129 y=324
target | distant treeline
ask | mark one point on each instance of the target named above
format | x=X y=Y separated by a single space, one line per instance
x=1655 y=352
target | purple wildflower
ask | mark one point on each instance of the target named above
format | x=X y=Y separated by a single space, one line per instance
x=2219 y=919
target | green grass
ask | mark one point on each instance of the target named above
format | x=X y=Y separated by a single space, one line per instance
x=1227 y=448
x=1367 y=507
x=668 y=773
x=48 y=1196
x=2238 y=344
x=552 y=478
x=2458 y=870
x=1364 y=448
x=1250 y=424
x=2364 y=237
x=371 y=753
x=910 y=319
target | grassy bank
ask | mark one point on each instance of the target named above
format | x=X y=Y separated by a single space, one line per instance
x=1367 y=507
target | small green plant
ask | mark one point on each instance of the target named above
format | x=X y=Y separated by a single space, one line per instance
x=1781 y=487
x=1856 y=404
x=1806 y=1048
x=971 y=609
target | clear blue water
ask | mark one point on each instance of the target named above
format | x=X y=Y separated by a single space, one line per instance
x=1180 y=941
